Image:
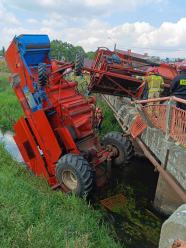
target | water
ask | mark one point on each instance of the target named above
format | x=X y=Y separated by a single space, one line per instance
x=10 y=145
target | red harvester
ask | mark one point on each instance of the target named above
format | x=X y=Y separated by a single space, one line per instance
x=56 y=137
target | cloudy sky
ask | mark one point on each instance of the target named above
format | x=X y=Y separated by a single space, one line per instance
x=154 y=26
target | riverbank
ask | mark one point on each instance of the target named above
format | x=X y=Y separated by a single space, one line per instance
x=133 y=225
x=32 y=215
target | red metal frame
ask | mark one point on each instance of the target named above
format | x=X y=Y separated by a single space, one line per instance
x=123 y=79
x=64 y=124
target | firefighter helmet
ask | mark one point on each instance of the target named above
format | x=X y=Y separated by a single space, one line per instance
x=153 y=70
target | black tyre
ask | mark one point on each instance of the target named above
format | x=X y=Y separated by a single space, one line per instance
x=124 y=147
x=75 y=175
x=42 y=74
x=79 y=63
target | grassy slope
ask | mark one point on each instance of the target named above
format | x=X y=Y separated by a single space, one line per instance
x=31 y=215
x=10 y=109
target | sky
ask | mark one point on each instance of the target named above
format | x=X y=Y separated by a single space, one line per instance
x=157 y=27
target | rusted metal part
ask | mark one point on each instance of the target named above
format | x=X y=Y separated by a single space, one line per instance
x=172 y=98
x=167 y=117
x=152 y=100
x=113 y=152
x=143 y=115
x=156 y=114
x=168 y=178
x=114 y=202
x=139 y=126
x=178 y=125
x=179 y=243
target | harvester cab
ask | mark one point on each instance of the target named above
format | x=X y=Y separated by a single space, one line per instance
x=56 y=135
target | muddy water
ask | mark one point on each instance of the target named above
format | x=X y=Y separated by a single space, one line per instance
x=7 y=140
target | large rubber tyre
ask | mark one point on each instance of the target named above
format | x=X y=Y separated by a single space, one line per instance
x=42 y=74
x=74 y=173
x=79 y=63
x=123 y=145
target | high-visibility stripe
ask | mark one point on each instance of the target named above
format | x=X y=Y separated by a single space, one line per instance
x=154 y=90
x=182 y=81
x=154 y=82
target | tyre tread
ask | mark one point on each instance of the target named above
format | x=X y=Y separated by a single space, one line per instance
x=123 y=142
x=79 y=164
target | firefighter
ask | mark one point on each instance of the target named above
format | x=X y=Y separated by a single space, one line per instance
x=154 y=83
x=178 y=86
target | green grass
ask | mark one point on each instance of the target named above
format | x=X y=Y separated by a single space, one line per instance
x=109 y=123
x=32 y=215
x=3 y=67
x=10 y=109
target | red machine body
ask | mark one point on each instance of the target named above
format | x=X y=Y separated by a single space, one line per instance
x=58 y=119
x=120 y=73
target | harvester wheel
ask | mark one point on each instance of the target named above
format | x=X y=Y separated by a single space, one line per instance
x=79 y=62
x=75 y=175
x=123 y=145
x=42 y=74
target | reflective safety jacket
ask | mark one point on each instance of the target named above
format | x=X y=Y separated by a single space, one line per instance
x=154 y=83
x=178 y=85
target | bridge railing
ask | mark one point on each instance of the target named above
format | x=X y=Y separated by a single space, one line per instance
x=178 y=126
x=164 y=114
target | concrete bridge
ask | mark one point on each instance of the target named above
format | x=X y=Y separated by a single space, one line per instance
x=161 y=128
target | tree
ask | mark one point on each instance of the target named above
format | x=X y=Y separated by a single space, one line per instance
x=90 y=55
x=2 y=51
x=64 y=50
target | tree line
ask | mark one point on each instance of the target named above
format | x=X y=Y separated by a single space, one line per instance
x=63 y=51
x=66 y=51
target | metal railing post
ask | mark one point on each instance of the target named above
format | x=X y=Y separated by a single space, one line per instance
x=168 y=118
